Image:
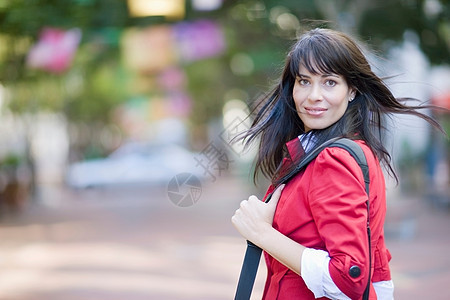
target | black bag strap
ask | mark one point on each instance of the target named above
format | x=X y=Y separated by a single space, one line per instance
x=358 y=154
x=248 y=272
x=253 y=252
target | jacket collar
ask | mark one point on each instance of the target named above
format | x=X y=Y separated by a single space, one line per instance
x=295 y=152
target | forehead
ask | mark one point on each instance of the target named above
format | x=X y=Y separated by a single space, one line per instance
x=303 y=70
x=315 y=62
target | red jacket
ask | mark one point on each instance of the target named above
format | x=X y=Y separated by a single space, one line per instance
x=324 y=207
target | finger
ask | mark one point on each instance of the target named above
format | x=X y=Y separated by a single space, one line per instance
x=237 y=216
x=243 y=203
x=238 y=211
x=276 y=195
x=244 y=207
x=253 y=198
x=234 y=219
x=236 y=222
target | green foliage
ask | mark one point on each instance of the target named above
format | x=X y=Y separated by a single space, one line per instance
x=97 y=82
x=11 y=161
x=27 y=17
x=432 y=28
x=101 y=22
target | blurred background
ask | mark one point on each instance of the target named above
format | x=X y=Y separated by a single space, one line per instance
x=118 y=177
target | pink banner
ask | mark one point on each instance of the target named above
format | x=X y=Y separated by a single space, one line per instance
x=55 y=50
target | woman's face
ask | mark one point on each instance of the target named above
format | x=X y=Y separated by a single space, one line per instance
x=322 y=99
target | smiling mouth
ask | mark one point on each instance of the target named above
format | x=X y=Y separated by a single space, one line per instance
x=315 y=111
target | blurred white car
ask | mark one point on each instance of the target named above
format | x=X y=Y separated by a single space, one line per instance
x=134 y=164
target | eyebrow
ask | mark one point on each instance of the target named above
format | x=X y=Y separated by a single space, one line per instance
x=324 y=75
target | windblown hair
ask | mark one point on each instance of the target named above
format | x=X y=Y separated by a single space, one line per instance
x=325 y=51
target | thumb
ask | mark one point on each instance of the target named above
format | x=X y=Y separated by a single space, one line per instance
x=276 y=195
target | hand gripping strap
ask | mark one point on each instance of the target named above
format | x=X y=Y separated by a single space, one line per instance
x=253 y=252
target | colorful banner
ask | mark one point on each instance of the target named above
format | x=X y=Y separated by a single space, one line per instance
x=55 y=50
x=159 y=47
x=199 y=40
x=148 y=50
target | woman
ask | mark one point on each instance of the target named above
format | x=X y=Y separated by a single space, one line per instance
x=313 y=230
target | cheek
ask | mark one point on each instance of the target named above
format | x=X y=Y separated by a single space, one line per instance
x=339 y=100
x=298 y=97
x=341 y=109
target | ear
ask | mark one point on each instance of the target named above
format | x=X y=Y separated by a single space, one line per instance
x=352 y=95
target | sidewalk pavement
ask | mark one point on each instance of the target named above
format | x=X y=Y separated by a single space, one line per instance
x=418 y=237
x=135 y=244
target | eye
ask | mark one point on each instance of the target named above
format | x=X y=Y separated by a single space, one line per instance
x=330 y=83
x=303 y=81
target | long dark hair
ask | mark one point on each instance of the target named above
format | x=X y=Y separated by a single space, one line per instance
x=325 y=51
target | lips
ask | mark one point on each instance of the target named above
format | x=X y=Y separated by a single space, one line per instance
x=315 y=111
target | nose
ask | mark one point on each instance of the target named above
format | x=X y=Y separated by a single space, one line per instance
x=315 y=93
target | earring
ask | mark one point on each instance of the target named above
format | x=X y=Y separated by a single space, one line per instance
x=351 y=98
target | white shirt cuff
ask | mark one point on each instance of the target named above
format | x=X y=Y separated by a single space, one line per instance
x=384 y=290
x=315 y=273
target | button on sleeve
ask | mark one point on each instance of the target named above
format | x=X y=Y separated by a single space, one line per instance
x=354 y=271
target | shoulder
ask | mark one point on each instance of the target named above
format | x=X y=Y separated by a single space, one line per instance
x=335 y=175
x=342 y=161
x=339 y=154
x=338 y=161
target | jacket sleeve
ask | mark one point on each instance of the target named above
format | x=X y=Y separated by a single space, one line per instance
x=337 y=200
